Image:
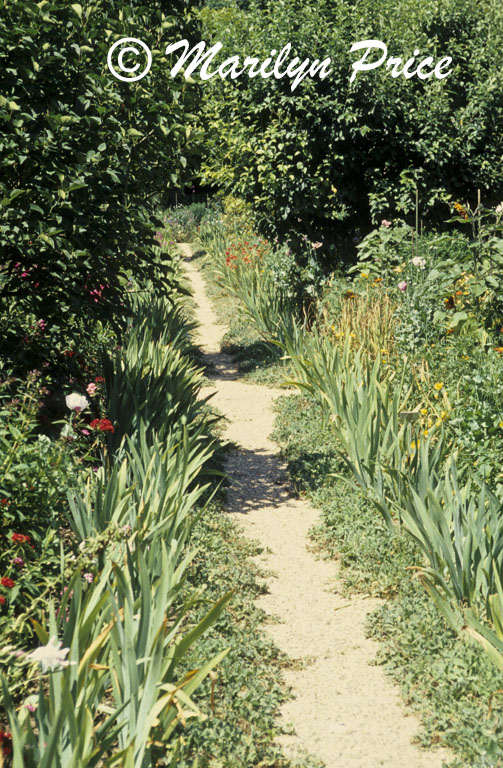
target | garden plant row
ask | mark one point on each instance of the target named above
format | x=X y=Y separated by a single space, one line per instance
x=105 y=685
x=402 y=355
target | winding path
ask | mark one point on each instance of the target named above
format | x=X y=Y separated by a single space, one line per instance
x=345 y=711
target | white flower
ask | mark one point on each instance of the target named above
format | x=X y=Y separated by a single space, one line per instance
x=51 y=656
x=499 y=208
x=418 y=261
x=76 y=402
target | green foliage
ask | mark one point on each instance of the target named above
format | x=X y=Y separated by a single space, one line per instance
x=84 y=158
x=126 y=628
x=407 y=471
x=450 y=682
x=331 y=157
x=242 y=272
x=182 y=223
x=35 y=473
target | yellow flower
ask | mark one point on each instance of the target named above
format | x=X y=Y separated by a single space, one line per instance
x=425 y=433
x=500 y=424
x=444 y=415
x=462 y=212
x=438 y=385
x=364 y=274
x=423 y=411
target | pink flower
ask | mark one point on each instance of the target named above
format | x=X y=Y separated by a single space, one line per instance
x=402 y=286
x=42 y=325
x=385 y=223
x=89 y=577
x=85 y=432
x=18 y=561
x=91 y=388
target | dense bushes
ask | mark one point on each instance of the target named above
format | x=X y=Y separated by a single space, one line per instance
x=84 y=158
x=331 y=157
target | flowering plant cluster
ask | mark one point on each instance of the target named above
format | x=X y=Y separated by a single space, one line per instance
x=246 y=252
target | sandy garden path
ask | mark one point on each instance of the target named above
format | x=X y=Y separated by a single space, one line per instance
x=345 y=712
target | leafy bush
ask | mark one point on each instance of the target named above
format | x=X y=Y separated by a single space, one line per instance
x=84 y=159
x=332 y=157
x=35 y=474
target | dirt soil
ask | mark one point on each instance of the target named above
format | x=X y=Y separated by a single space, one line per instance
x=346 y=712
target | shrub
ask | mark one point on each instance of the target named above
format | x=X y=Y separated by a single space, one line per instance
x=330 y=158
x=84 y=159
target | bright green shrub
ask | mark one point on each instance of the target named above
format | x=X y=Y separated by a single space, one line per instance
x=331 y=157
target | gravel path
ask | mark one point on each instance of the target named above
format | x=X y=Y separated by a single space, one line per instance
x=346 y=712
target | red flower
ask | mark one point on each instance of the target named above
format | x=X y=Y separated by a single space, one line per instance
x=104 y=425
x=5 y=743
x=6 y=582
x=2 y=600
x=21 y=537
x=99 y=378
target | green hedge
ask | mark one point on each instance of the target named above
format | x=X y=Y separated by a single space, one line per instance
x=332 y=157
x=84 y=157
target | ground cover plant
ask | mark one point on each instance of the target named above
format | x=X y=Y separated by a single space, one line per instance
x=448 y=681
